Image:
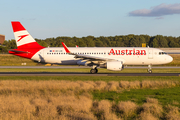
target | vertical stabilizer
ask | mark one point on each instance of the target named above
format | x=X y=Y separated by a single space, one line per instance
x=22 y=37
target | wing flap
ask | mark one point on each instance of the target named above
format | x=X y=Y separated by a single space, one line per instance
x=91 y=58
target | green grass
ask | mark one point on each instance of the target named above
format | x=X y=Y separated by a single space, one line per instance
x=176 y=60
x=165 y=95
x=8 y=60
x=92 y=78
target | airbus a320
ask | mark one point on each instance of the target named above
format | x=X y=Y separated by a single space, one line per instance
x=111 y=58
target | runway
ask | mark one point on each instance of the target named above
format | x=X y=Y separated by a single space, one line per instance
x=83 y=74
x=75 y=67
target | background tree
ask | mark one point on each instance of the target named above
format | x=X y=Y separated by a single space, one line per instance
x=155 y=43
x=89 y=41
x=130 y=40
x=98 y=43
x=162 y=41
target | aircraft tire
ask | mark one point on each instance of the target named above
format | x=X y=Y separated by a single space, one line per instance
x=93 y=71
x=150 y=71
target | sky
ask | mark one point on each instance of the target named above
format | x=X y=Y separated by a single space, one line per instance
x=52 y=18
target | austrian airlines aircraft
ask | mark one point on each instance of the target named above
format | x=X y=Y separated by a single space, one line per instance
x=112 y=58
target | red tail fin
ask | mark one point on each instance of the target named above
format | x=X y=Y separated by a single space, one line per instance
x=22 y=37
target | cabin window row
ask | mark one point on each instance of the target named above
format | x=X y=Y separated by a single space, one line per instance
x=160 y=53
x=79 y=53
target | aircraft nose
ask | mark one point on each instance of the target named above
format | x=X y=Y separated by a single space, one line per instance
x=170 y=59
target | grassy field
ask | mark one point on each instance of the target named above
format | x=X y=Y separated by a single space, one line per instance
x=89 y=100
x=12 y=60
x=176 y=60
x=91 y=78
x=8 y=60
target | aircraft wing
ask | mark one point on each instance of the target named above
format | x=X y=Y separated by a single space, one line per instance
x=91 y=58
x=85 y=57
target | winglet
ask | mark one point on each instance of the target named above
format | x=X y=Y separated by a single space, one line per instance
x=65 y=47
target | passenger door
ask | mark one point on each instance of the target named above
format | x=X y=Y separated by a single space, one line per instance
x=150 y=54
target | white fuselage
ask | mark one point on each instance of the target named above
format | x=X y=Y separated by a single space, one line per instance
x=129 y=55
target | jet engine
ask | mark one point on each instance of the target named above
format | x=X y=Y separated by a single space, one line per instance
x=80 y=62
x=115 y=65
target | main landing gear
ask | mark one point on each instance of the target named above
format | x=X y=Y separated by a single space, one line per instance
x=149 y=68
x=94 y=70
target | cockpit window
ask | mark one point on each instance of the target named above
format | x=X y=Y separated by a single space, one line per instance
x=162 y=53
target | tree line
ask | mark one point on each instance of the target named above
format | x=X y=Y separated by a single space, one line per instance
x=131 y=40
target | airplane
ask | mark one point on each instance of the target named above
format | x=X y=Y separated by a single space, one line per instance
x=111 y=58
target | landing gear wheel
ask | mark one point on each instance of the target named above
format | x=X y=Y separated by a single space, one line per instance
x=149 y=68
x=93 y=71
x=150 y=71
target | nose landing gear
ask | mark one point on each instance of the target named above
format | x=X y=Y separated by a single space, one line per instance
x=149 y=68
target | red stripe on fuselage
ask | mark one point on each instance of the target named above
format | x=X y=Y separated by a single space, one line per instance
x=31 y=48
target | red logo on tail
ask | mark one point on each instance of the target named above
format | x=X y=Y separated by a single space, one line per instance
x=21 y=37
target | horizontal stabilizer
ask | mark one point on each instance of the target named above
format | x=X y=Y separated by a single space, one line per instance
x=17 y=51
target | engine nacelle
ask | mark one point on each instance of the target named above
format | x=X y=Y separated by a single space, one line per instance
x=81 y=63
x=115 y=65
